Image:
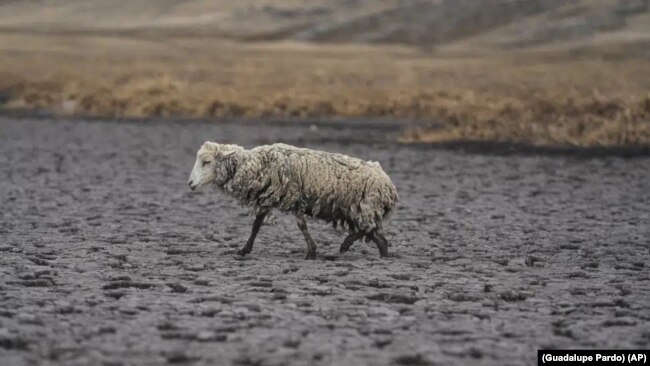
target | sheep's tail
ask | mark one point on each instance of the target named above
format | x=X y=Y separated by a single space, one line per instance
x=389 y=205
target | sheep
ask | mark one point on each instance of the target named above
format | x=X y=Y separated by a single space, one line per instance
x=336 y=188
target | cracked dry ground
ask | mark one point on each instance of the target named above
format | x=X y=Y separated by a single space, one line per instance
x=107 y=258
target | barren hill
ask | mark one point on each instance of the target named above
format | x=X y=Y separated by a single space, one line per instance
x=491 y=23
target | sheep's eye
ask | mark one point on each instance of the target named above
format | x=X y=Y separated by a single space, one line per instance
x=206 y=163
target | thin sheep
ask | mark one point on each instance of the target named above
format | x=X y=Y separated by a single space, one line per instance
x=331 y=187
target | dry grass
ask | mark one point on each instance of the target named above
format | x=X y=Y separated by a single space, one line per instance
x=541 y=99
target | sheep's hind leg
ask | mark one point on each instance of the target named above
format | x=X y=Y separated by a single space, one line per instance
x=381 y=242
x=349 y=240
x=311 y=246
x=259 y=219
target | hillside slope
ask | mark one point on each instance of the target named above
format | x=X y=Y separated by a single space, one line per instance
x=493 y=23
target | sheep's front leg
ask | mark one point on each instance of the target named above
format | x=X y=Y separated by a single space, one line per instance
x=259 y=219
x=311 y=246
x=349 y=240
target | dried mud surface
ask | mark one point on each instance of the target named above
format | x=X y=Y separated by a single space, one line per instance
x=107 y=258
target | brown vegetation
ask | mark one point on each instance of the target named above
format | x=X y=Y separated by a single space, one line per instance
x=543 y=98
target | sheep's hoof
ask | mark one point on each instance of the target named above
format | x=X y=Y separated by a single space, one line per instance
x=311 y=255
x=243 y=251
x=344 y=248
x=383 y=251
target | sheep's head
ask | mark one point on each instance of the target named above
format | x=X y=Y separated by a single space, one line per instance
x=212 y=165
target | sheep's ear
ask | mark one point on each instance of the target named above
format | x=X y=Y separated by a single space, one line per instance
x=228 y=153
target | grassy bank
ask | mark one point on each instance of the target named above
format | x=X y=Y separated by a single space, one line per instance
x=543 y=98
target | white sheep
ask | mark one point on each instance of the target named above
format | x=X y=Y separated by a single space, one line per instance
x=332 y=187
